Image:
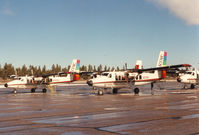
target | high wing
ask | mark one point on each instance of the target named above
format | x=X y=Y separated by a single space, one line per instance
x=52 y=74
x=160 y=68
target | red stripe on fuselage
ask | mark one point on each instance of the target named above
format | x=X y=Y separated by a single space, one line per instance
x=148 y=80
x=110 y=82
x=191 y=79
x=60 y=82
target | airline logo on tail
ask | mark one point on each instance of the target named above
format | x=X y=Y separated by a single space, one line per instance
x=162 y=60
x=75 y=67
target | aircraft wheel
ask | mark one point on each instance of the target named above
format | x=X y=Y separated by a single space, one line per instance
x=33 y=90
x=115 y=91
x=100 y=92
x=44 y=90
x=136 y=91
x=192 y=86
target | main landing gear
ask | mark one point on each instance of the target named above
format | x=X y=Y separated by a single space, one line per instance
x=44 y=90
x=15 y=91
x=100 y=92
x=115 y=91
x=33 y=90
x=136 y=91
x=192 y=86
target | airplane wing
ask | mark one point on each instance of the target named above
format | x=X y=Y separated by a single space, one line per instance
x=161 y=68
x=52 y=74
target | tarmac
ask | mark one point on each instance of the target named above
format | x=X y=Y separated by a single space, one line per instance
x=77 y=110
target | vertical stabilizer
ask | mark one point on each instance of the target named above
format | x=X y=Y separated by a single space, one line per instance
x=138 y=64
x=75 y=66
x=162 y=60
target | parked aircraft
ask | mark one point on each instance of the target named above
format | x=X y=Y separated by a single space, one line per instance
x=190 y=77
x=46 y=81
x=138 y=76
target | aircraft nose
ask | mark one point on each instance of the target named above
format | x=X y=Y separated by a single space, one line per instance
x=90 y=83
x=178 y=79
x=6 y=85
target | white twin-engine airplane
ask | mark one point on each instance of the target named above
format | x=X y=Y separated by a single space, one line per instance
x=46 y=81
x=138 y=76
x=189 y=77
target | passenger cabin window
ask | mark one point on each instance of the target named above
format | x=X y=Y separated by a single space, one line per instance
x=110 y=75
x=136 y=77
x=140 y=77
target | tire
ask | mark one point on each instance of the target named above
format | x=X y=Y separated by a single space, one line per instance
x=136 y=91
x=100 y=92
x=192 y=86
x=32 y=90
x=44 y=90
x=115 y=91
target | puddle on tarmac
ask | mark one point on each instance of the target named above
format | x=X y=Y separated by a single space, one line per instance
x=83 y=118
x=21 y=113
x=185 y=117
x=187 y=106
x=120 y=128
x=190 y=116
x=123 y=128
x=113 y=109
x=3 y=129
x=141 y=125
x=13 y=108
x=73 y=133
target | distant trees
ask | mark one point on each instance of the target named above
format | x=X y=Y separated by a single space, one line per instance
x=9 y=69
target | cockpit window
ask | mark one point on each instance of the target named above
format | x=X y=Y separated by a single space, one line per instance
x=17 y=78
x=105 y=74
x=189 y=72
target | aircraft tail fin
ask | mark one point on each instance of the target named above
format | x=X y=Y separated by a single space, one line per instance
x=162 y=60
x=138 y=64
x=75 y=66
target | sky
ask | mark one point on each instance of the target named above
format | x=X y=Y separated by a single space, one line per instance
x=107 y=32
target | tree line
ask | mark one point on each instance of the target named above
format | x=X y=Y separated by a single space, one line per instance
x=8 y=69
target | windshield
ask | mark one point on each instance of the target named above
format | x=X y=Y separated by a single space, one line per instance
x=189 y=72
x=105 y=74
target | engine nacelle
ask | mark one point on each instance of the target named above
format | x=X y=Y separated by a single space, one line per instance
x=75 y=77
x=164 y=73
